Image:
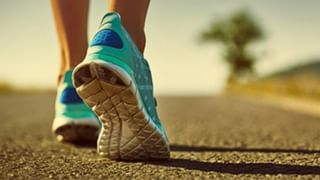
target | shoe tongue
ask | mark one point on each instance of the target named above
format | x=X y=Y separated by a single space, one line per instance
x=112 y=17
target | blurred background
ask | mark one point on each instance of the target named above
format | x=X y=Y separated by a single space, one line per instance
x=194 y=47
x=237 y=81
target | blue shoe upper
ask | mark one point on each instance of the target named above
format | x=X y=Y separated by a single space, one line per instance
x=107 y=37
x=68 y=103
x=113 y=44
x=69 y=95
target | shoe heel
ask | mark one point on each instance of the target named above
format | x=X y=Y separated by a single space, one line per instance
x=127 y=133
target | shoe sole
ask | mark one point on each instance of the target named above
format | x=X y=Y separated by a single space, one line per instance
x=72 y=131
x=127 y=131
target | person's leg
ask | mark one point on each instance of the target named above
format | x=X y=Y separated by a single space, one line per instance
x=74 y=121
x=133 y=16
x=71 y=19
x=116 y=82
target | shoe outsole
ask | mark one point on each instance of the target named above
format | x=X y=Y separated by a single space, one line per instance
x=112 y=95
x=77 y=133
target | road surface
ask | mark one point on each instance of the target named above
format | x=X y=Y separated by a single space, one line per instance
x=211 y=137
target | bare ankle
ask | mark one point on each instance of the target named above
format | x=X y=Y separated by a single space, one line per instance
x=140 y=39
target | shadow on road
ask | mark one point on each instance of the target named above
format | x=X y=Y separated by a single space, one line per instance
x=233 y=168
x=84 y=144
x=240 y=168
x=238 y=149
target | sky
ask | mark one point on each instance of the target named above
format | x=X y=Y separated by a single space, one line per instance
x=180 y=65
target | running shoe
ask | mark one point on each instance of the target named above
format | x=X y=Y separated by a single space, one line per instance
x=115 y=81
x=74 y=120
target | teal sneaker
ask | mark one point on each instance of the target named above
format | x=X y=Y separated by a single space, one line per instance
x=115 y=81
x=74 y=120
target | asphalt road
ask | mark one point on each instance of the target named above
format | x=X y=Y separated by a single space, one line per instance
x=211 y=137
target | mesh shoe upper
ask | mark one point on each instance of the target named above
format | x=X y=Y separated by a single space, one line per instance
x=68 y=103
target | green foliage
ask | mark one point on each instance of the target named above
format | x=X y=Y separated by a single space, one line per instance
x=5 y=87
x=299 y=81
x=235 y=33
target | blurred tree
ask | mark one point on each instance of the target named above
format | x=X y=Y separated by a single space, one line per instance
x=235 y=33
